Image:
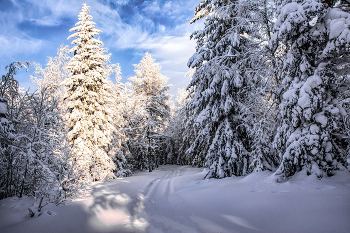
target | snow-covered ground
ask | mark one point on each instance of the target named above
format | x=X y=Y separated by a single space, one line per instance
x=177 y=199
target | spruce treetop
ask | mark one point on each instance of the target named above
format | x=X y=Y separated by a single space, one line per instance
x=84 y=28
x=87 y=47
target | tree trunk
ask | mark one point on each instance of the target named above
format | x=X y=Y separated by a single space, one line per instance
x=24 y=177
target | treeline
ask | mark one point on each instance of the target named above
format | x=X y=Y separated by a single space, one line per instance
x=269 y=91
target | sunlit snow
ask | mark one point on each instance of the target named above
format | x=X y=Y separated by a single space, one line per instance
x=178 y=199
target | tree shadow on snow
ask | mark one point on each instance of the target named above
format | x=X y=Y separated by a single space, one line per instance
x=114 y=211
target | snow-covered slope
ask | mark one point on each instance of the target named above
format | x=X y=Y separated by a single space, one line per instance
x=177 y=199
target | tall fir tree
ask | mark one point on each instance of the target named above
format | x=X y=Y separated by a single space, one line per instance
x=314 y=37
x=224 y=87
x=87 y=97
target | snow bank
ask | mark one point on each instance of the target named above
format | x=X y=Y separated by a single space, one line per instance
x=178 y=199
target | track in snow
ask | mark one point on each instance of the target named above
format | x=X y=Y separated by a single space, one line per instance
x=176 y=199
x=163 y=186
x=163 y=207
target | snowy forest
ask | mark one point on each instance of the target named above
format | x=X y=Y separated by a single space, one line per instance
x=269 y=90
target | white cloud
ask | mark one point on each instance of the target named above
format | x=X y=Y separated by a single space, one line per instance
x=128 y=36
x=151 y=7
x=161 y=28
x=51 y=11
x=17 y=45
x=46 y=21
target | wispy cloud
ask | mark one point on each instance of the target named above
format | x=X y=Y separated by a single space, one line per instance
x=151 y=7
x=46 y=21
x=17 y=45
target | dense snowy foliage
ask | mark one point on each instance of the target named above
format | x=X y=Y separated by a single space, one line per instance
x=30 y=136
x=14 y=165
x=48 y=111
x=226 y=89
x=268 y=91
x=89 y=119
x=118 y=148
x=315 y=41
x=153 y=113
x=173 y=152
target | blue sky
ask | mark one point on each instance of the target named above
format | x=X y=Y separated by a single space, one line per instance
x=32 y=30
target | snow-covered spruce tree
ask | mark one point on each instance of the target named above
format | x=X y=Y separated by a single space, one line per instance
x=189 y=133
x=88 y=93
x=224 y=87
x=314 y=37
x=149 y=86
